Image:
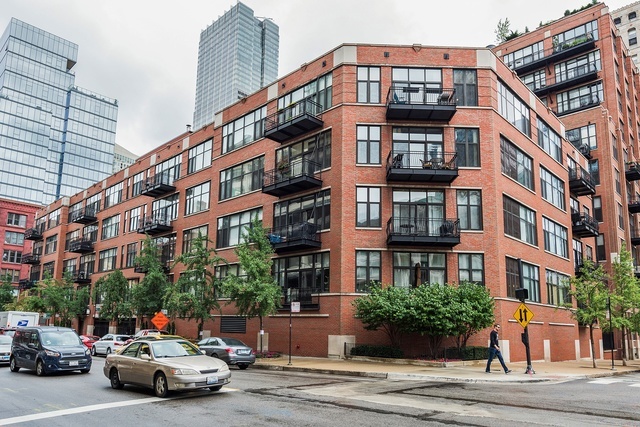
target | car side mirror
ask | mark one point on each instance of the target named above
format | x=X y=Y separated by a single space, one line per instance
x=145 y=356
x=203 y=352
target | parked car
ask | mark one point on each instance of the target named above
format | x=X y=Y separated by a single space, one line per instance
x=9 y=331
x=5 y=349
x=48 y=349
x=88 y=340
x=147 y=332
x=231 y=350
x=165 y=363
x=108 y=344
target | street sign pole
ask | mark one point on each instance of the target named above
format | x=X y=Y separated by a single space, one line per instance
x=290 y=330
x=522 y=295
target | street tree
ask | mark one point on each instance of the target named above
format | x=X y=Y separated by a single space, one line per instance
x=256 y=292
x=590 y=293
x=58 y=299
x=6 y=293
x=477 y=311
x=115 y=296
x=147 y=297
x=195 y=294
x=625 y=296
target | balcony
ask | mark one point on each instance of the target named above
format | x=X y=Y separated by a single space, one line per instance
x=633 y=206
x=559 y=52
x=158 y=185
x=80 y=277
x=581 y=182
x=83 y=216
x=165 y=262
x=295 y=237
x=410 y=231
x=24 y=284
x=417 y=166
x=421 y=103
x=582 y=225
x=32 y=234
x=293 y=121
x=635 y=238
x=308 y=299
x=81 y=245
x=154 y=225
x=582 y=147
x=291 y=177
x=32 y=258
x=580 y=103
x=632 y=171
x=573 y=77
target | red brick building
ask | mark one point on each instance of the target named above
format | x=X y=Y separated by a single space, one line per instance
x=381 y=163
x=582 y=70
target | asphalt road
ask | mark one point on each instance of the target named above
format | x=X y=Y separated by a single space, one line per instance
x=272 y=398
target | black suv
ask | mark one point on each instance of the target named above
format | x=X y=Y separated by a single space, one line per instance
x=49 y=349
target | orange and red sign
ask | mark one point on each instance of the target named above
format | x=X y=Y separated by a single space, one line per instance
x=160 y=320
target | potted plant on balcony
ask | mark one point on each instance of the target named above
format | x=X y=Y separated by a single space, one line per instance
x=283 y=167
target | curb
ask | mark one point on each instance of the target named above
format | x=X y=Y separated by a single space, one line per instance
x=381 y=375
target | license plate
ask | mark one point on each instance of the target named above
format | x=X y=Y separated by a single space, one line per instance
x=212 y=380
x=4 y=357
x=73 y=363
x=243 y=351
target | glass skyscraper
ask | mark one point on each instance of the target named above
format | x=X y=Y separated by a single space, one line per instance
x=238 y=55
x=56 y=139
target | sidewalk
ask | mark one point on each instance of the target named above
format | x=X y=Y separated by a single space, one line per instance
x=468 y=372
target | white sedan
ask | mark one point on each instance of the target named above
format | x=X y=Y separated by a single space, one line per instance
x=108 y=344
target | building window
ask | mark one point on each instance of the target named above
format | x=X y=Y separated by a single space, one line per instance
x=138 y=180
x=421 y=211
x=552 y=188
x=242 y=179
x=412 y=269
x=368 y=200
x=302 y=275
x=524 y=56
x=576 y=35
x=132 y=253
x=465 y=83
x=93 y=203
x=467 y=147
x=113 y=195
x=316 y=149
x=616 y=177
x=519 y=221
x=418 y=144
x=601 y=254
x=583 y=136
x=549 y=141
x=188 y=236
x=90 y=232
x=597 y=209
x=471 y=268
x=580 y=98
x=243 y=131
x=513 y=109
x=368 y=269
x=53 y=219
x=319 y=91
x=617 y=21
x=134 y=218
x=48 y=269
x=536 y=80
x=530 y=279
x=632 y=16
x=17 y=220
x=13 y=238
x=594 y=170
x=87 y=264
x=51 y=245
x=556 y=238
x=110 y=227
x=577 y=67
x=169 y=170
x=166 y=209
x=107 y=260
x=369 y=85
x=368 y=145
x=199 y=156
x=197 y=198
x=620 y=216
x=313 y=208
x=9 y=274
x=231 y=227
x=557 y=288
x=167 y=247
x=516 y=164
x=13 y=256
x=469 y=209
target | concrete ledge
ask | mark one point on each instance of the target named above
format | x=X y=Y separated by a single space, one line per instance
x=428 y=363
x=382 y=375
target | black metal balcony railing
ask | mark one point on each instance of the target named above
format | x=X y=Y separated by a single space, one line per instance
x=155 y=224
x=83 y=216
x=583 y=225
x=418 y=166
x=299 y=236
x=32 y=234
x=414 y=231
x=569 y=77
x=421 y=103
x=158 y=185
x=292 y=121
x=291 y=177
x=634 y=206
x=632 y=171
x=558 y=52
x=31 y=258
x=81 y=245
x=24 y=284
x=165 y=262
x=582 y=147
x=581 y=183
x=307 y=297
x=580 y=103
x=635 y=237
x=80 y=276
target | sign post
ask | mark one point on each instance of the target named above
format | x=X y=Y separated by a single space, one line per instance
x=523 y=315
x=295 y=308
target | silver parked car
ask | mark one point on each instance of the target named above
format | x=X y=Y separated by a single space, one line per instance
x=108 y=344
x=165 y=363
x=231 y=350
x=5 y=348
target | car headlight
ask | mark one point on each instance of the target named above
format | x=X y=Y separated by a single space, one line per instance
x=52 y=353
x=225 y=368
x=87 y=352
x=183 y=371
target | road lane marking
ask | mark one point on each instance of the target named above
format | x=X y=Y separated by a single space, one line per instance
x=98 y=407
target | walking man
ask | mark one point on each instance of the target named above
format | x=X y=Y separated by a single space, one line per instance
x=494 y=350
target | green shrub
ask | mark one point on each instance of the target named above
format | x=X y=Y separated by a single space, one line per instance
x=377 y=351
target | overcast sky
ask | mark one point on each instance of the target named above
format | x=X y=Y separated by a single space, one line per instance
x=144 y=53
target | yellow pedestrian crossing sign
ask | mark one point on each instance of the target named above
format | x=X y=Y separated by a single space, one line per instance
x=523 y=315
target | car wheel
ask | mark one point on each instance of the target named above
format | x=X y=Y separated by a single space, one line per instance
x=40 y=371
x=13 y=366
x=160 y=385
x=216 y=388
x=243 y=366
x=93 y=351
x=108 y=351
x=115 y=379
x=215 y=355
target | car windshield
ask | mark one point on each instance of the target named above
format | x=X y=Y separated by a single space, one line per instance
x=5 y=339
x=62 y=338
x=173 y=349
x=233 y=341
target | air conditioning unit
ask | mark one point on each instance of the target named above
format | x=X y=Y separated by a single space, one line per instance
x=584 y=149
